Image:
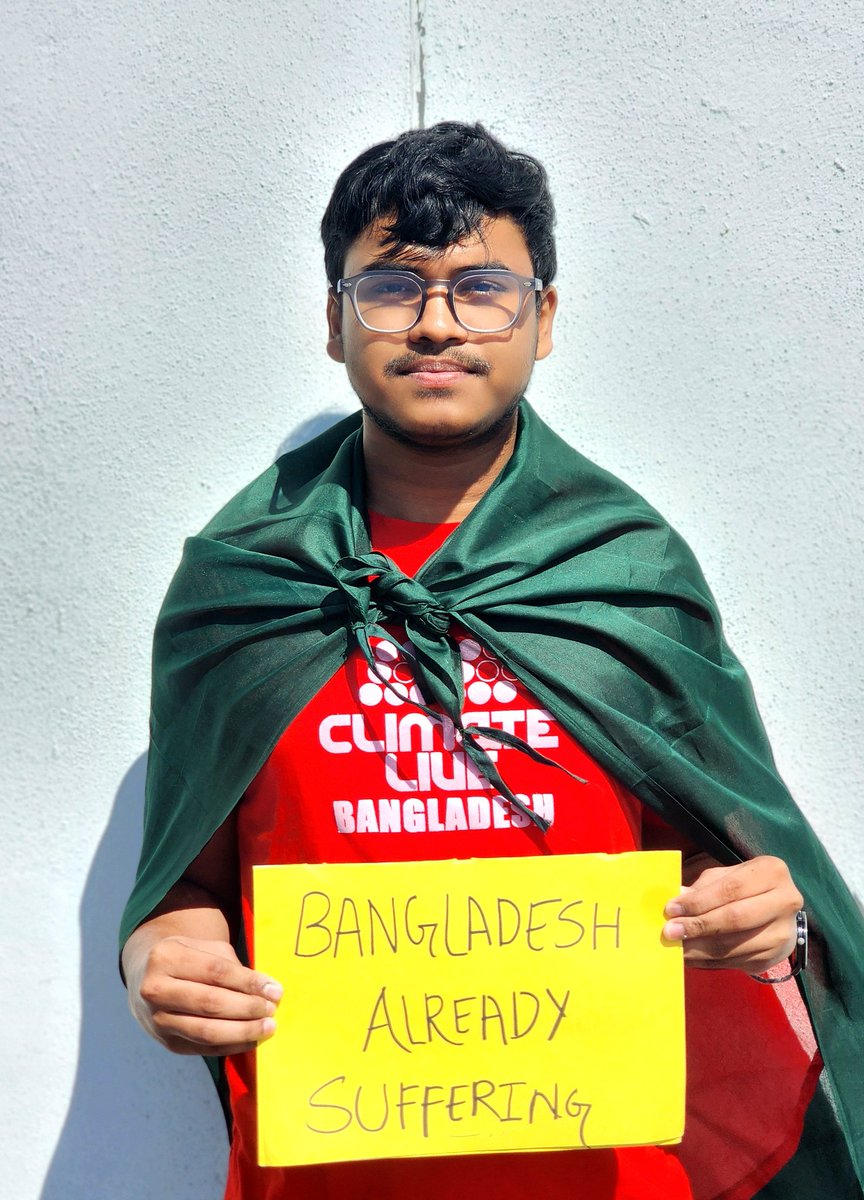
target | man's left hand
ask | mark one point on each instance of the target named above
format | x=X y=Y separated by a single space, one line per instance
x=741 y=916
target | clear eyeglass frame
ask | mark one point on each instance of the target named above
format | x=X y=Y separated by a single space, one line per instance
x=528 y=286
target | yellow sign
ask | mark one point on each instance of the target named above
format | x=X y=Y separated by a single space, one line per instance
x=468 y=1007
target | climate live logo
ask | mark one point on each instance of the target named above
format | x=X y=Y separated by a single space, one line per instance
x=431 y=783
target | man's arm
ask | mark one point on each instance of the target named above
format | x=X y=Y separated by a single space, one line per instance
x=187 y=988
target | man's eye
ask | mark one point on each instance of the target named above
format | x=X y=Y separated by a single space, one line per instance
x=482 y=286
x=389 y=289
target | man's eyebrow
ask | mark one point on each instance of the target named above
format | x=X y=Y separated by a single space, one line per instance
x=390 y=263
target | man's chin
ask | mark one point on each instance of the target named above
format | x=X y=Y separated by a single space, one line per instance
x=442 y=435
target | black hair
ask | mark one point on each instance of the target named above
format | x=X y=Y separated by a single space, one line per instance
x=433 y=187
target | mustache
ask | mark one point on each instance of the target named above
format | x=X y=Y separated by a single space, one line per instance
x=404 y=363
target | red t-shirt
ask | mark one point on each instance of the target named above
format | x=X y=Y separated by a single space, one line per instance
x=362 y=775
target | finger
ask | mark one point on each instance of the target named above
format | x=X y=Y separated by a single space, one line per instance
x=722 y=886
x=196 y=1035
x=743 y=916
x=218 y=967
x=717 y=886
x=753 y=950
x=200 y=999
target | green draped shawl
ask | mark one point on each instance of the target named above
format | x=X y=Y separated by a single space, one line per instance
x=575 y=583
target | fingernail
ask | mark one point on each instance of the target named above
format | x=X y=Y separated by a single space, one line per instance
x=272 y=990
x=674 y=931
x=674 y=909
x=268 y=1027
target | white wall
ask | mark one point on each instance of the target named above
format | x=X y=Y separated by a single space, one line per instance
x=163 y=170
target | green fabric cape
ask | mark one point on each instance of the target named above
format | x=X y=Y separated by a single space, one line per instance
x=575 y=583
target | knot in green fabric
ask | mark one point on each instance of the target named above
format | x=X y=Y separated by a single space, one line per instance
x=378 y=590
x=401 y=596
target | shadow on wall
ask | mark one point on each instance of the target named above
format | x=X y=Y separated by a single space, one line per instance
x=141 y=1122
x=309 y=429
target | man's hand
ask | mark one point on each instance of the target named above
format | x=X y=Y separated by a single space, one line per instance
x=187 y=988
x=195 y=997
x=741 y=916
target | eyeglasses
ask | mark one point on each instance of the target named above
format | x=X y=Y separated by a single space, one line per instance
x=481 y=301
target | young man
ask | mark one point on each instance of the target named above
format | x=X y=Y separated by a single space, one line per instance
x=337 y=589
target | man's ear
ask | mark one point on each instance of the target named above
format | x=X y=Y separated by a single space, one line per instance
x=545 y=320
x=334 y=326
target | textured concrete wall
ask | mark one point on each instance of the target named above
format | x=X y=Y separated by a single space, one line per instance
x=707 y=166
x=163 y=169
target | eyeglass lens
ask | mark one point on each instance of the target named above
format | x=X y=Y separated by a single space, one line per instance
x=391 y=303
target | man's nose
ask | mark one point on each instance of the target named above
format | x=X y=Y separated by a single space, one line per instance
x=437 y=323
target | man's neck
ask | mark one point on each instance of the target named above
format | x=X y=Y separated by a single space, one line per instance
x=414 y=483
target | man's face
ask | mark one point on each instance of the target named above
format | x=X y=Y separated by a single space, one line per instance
x=437 y=384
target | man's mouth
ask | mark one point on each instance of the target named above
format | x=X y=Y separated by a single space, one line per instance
x=437 y=369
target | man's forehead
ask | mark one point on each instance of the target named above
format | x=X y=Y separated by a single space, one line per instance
x=498 y=242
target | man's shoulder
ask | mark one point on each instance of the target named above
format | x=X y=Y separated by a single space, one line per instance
x=591 y=501
x=276 y=489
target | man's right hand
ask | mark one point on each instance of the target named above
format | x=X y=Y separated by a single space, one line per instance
x=187 y=987
x=195 y=996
